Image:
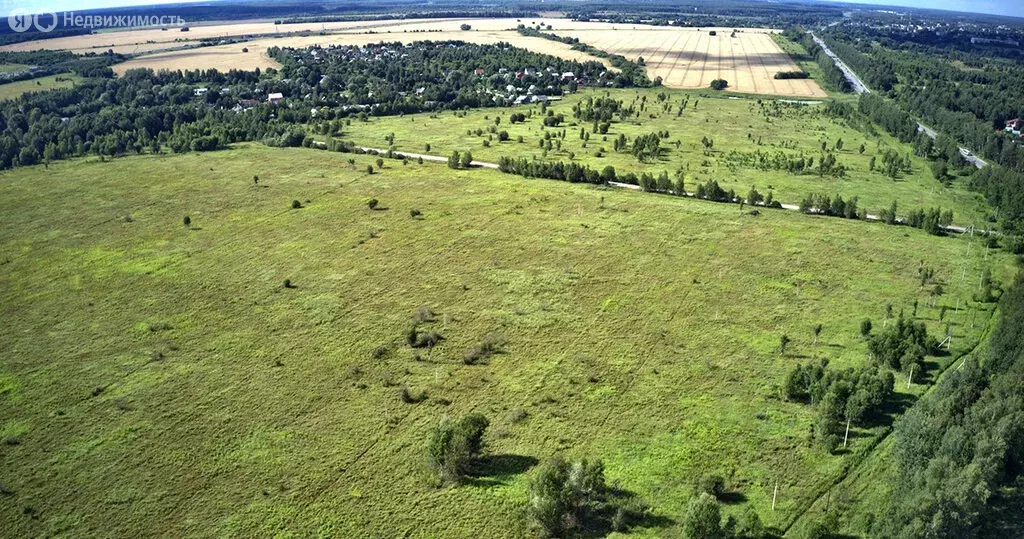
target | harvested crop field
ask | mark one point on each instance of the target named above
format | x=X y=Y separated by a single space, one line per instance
x=692 y=58
x=221 y=58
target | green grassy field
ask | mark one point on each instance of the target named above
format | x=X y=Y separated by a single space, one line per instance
x=726 y=120
x=799 y=54
x=15 y=89
x=9 y=68
x=159 y=380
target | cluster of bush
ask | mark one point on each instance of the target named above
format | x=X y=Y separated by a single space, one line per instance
x=842 y=397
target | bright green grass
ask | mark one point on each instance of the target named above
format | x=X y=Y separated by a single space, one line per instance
x=799 y=54
x=727 y=120
x=10 y=68
x=641 y=330
x=15 y=89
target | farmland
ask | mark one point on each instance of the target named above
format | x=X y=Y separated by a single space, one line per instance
x=682 y=57
x=159 y=377
x=225 y=57
x=691 y=58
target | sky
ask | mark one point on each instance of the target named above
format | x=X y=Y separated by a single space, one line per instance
x=999 y=7
x=996 y=7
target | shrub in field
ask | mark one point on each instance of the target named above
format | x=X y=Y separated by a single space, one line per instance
x=719 y=84
x=187 y=221
x=452 y=447
x=372 y=203
x=296 y=204
x=428 y=339
x=489 y=345
x=703 y=519
x=422 y=315
x=414 y=213
x=713 y=484
x=411 y=397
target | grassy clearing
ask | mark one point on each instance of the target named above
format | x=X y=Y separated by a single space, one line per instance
x=161 y=381
x=735 y=124
x=799 y=54
x=10 y=68
x=52 y=82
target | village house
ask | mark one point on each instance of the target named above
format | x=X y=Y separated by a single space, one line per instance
x=1015 y=126
x=275 y=98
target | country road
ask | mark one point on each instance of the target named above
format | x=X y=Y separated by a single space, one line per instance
x=482 y=164
x=434 y=158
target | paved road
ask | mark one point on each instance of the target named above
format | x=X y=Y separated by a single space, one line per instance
x=970 y=157
x=858 y=85
x=482 y=164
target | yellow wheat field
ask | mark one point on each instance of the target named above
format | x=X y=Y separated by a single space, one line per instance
x=692 y=58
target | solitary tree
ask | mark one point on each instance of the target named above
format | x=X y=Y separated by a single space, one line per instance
x=865 y=327
x=369 y=169
x=187 y=221
x=380 y=163
x=466 y=160
x=783 y=342
x=817 y=331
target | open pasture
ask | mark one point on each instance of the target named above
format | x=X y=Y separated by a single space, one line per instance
x=737 y=126
x=158 y=379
